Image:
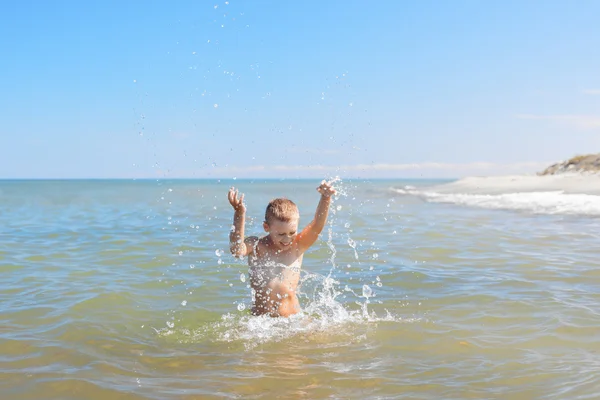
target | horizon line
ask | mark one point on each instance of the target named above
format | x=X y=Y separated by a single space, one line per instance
x=219 y=179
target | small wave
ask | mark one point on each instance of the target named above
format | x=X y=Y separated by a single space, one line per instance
x=544 y=202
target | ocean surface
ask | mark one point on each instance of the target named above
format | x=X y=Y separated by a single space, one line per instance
x=417 y=289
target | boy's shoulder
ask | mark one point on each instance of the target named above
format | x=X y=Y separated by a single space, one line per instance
x=252 y=242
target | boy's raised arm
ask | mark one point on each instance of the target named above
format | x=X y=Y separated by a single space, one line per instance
x=310 y=233
x=237 y=245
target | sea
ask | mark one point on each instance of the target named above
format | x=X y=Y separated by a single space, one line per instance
x=416 y=289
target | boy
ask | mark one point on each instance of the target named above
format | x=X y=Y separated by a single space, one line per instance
x=275 y=259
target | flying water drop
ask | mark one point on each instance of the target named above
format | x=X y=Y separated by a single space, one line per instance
x=367 y=291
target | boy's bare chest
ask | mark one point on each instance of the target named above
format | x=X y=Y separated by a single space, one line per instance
x=268 y=255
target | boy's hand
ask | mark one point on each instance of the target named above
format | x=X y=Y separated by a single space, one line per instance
x=237 y=202
x=326 y=189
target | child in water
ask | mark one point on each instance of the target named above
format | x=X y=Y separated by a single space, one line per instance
x=275 y=259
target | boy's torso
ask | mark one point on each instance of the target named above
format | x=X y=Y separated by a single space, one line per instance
x=269 y=266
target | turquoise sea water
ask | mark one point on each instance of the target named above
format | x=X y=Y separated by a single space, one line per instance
x=126 y=289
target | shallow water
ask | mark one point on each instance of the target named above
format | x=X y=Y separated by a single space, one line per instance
x=125 y=289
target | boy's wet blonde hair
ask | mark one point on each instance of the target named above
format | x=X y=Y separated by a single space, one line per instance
x=281 y=209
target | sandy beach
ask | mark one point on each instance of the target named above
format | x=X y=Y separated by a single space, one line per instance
x=568 y=183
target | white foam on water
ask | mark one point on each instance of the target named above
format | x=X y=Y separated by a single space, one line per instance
x=555 y=195
x=323 y=315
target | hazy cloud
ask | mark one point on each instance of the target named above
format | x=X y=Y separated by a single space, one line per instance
x=373 y=170
x=308 y=150
x=577 y=121
x=593 y=92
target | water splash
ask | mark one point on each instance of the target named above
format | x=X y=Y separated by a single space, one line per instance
x=352 y=244
x=367 y=292
x=322 y=316
x=340 y=187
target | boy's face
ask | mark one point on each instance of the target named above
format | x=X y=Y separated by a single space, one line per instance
x=282 y=233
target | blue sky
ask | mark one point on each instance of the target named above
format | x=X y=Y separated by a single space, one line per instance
x=296 y=89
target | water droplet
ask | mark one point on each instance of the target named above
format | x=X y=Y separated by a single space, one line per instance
x=394 y=232
x=219 y=252
x=181 y=253
x=366 y=291
x=219 y=261
x=347 y=225
x=379 y=284
x=378 y=279
x=351 y=243
x=338 y=208
x=170 y=324
x=216 y=105
x=243 y=277
x=241 y=306
x=184 y=303
x=192 y=266
x=375 y=256
x=170 y=190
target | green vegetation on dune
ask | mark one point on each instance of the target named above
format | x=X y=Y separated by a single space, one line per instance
x=588 y=163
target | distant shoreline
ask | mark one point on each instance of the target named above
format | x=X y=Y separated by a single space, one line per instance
x=574 y=183
x=216 y=179
x=584 y=165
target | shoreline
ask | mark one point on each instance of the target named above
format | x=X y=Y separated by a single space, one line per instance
x=576 y=183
